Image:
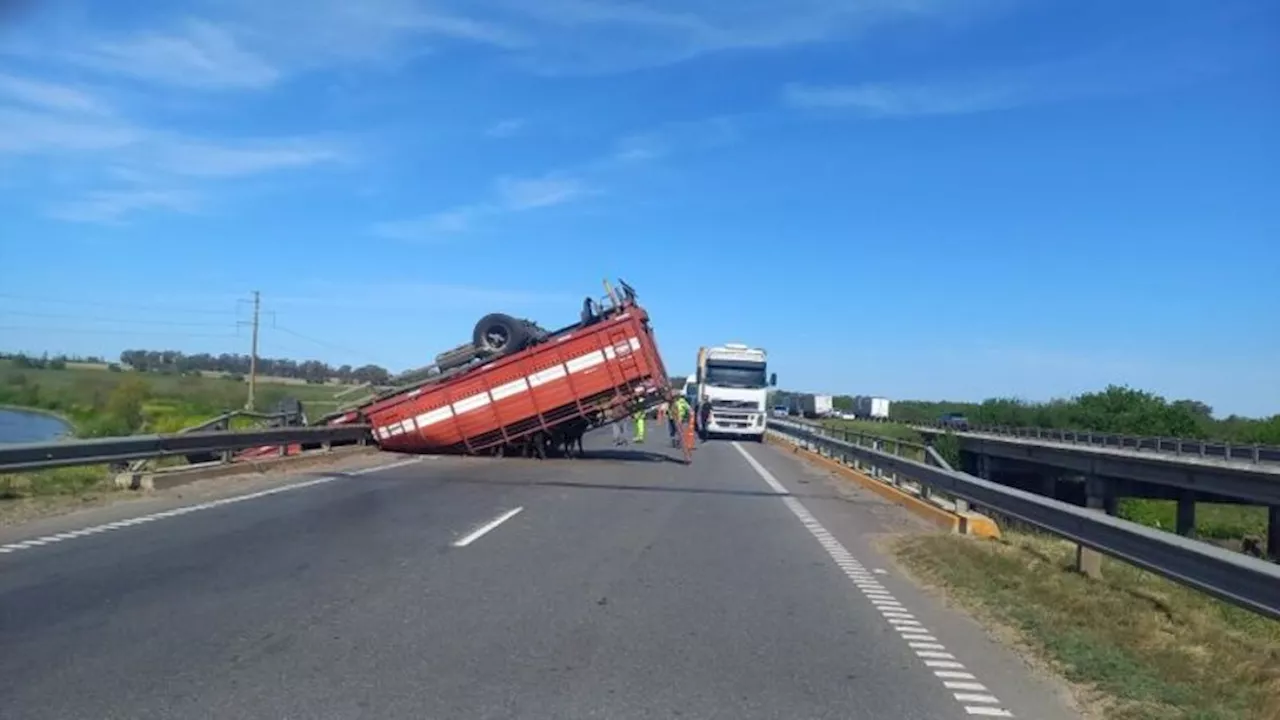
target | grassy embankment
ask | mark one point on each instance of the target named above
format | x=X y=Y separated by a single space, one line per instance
x=98 y=402
x=1213 y=521
x=1138 y=646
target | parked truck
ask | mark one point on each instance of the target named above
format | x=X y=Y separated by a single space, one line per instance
x=871 y=408
x=519 y=388
x=815 y=406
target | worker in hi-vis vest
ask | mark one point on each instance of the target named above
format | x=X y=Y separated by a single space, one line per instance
x=679 y=413
x=638 y=417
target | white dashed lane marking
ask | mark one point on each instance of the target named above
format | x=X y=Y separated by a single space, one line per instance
x=972 y=695
x=118 y=524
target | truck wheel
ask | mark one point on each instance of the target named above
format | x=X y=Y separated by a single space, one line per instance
x=498 y=334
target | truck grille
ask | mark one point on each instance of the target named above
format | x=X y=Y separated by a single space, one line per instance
x=735 y=404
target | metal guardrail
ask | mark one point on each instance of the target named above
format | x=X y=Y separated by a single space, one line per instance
x=1239 y=579
x=1209 y=449
x=35 y=456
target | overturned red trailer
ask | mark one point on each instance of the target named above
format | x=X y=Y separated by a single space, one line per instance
x=600 y=369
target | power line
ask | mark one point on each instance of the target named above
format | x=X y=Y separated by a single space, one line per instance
x=105 y=331
x=68 y=316
x=323 y=343
x=120 y=306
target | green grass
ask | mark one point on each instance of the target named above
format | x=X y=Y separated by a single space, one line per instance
x=1142 y=647
x=881 y=429
x=58 y=481
x=102 y=402
x=1213 y=521
x=886 y=430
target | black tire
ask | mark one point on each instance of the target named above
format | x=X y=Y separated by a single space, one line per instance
x=499 y=334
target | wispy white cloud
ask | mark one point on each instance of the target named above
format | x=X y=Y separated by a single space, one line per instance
x=584 y=37
x=434 y=226
x=509 y=195
x=123 y=166
x=111 y=206
x=53 y=96
x=505 y=128
x=199 y=54
x=569 y=184
x=517 y=194
x=902 y=100
x=214 y=160
x=30 y=132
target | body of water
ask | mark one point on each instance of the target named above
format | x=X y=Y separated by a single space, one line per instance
x=19 y=426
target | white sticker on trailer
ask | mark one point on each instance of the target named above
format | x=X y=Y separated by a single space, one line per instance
x=467 y=404
x=384 y=433
x=431 y=417
x=546 y=376
x=397 y=429
x=506 y=390
x=589 y=360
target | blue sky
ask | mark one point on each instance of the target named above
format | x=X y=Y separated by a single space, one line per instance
x=914 y=198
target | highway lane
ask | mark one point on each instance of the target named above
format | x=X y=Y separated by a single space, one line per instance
x=628 y=586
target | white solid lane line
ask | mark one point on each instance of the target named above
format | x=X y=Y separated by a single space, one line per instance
x=483 y=530
x=122 y=524
x=926 y=647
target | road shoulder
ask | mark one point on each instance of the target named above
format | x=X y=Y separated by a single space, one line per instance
x=862 y=522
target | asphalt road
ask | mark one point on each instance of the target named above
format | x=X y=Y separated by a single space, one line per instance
x=625 y=586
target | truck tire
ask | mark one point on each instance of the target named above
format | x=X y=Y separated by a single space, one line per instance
x=499 y=334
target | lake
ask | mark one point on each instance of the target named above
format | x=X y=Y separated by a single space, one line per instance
x=19 y=426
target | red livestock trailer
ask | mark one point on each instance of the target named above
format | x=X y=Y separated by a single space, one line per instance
x=603 y=368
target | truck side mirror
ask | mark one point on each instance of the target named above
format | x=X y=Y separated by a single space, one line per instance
x=773 y=379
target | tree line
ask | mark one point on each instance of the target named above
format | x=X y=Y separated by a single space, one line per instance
x=178 y=363
x=1116 y=409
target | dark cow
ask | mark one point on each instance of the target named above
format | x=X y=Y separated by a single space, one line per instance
x=569 y=435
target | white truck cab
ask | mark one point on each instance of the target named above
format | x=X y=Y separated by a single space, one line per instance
x=733 y=384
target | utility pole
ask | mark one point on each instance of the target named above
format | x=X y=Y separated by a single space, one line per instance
x=253 y=354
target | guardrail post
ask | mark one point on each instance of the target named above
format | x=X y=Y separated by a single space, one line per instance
x=1088 y=560
x=226 y=456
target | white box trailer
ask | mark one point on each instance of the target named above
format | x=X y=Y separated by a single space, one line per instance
x=875 y=408
x=813 y=406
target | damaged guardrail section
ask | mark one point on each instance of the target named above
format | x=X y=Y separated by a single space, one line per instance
x=1239 y=579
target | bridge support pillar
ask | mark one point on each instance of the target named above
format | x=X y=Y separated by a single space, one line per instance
x=1273 y=533
x=1186 y=525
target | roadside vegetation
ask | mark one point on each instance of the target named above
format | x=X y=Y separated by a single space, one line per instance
x=103 y=402
x=1114 y=410
x=1138 y=646
x=1118 y=410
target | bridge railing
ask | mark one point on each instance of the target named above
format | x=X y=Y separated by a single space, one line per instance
x=1186 y=447
x=37 y=456
x=1239 y=579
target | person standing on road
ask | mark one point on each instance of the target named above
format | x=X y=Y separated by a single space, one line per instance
x=704 y=417
x=638 y=417
x=678 y=415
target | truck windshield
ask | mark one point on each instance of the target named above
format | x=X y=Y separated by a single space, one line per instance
x=736 y=374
